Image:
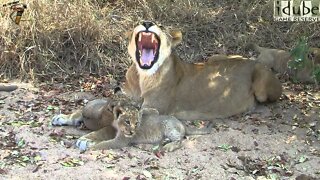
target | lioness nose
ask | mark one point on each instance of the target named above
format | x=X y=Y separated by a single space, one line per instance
x=147 y=24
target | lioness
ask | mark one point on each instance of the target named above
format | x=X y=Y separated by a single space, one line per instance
x=218 y=88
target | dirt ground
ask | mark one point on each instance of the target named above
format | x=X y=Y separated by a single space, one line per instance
x=274 y=141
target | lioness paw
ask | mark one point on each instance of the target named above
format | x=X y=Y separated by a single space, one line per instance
x=84 y=144
x=59 y=120
x=65 y=120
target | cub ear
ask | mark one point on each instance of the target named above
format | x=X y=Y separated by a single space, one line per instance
x=315 y=51
x=147 y=112
x=113 y=104
x=117 y=110
x=176 y=36
x=316 y=55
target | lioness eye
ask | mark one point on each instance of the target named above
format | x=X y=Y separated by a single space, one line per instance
x=127 y=122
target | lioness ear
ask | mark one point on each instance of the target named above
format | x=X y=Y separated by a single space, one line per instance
x=176 y=36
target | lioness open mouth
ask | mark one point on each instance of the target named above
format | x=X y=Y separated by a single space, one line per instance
x=147 y=52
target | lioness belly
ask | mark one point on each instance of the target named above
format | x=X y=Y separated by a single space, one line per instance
x=214 y=92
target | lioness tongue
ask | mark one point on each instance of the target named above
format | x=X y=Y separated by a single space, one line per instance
x=147 y=56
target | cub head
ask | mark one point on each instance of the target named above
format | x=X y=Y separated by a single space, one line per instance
x=126 y=120
x=150 y=45
x=147 y=112
x=315 y=55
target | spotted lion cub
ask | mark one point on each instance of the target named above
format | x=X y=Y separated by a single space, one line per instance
x=148 y=127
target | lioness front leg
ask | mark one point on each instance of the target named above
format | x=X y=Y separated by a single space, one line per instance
x=265 y=85
x=115 y=143
x=131 y=86
x=87 y=141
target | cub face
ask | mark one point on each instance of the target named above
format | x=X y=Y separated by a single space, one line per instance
x=149 y=46
x=126 y=121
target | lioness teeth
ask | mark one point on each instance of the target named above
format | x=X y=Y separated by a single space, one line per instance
x=147 y=63
x=146 y=33
x=140 y=37
x=152 y=38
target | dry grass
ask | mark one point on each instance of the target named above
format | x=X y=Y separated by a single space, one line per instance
x=62 y=38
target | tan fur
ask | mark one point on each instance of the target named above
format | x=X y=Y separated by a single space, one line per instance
x=131 y=82
x=224 y=86
x=277 y=60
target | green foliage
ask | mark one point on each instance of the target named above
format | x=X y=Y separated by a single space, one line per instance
x=299 y=54
x=225 y=147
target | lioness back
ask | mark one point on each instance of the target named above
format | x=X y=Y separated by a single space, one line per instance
x=217 y=87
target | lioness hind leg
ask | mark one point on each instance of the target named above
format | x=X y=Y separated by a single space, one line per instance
x=87 y=141
x=74 y=119
x=266 y=86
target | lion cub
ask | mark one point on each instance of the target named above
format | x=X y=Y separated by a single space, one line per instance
x=147 y=127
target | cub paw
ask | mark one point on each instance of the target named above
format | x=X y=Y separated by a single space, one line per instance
x=84 y=144
x=59 y=120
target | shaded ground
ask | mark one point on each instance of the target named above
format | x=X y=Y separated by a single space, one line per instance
x=275 y=141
